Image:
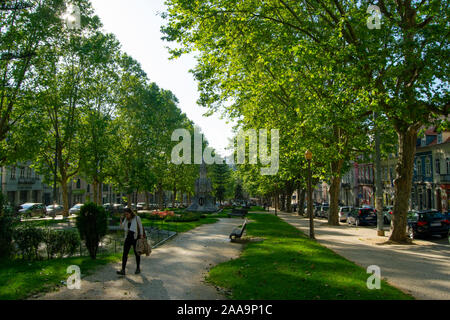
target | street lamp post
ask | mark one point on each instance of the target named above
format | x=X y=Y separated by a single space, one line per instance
x=55 y=172
x=308 y=156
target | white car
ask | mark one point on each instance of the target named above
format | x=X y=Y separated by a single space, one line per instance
x=343 y=212
x=75 y=209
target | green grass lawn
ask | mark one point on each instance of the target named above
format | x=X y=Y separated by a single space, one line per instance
x=179 y=226
x=289 y=266
x=21 y=279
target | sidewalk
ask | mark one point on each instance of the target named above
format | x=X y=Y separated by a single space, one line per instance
x=174 y=271
x=421 y=269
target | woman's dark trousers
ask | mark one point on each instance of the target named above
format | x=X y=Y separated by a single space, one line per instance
x=130 y=242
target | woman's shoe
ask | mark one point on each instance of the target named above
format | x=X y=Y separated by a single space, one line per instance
x=121 y=272
x=138 y=271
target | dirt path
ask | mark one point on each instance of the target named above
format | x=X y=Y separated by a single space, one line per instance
x=174 y=271
x=421 y=269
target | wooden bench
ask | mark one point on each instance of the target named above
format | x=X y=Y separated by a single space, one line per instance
x=238 y=213
x=238 y=232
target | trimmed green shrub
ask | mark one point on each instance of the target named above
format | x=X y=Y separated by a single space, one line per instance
x=72 y=242
x=92 y=224
x=7 y=223
x=52 y=243
x=61 y=243
x=28 y=240
x=184 y=217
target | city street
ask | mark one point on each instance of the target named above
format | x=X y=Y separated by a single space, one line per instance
x=421 y=269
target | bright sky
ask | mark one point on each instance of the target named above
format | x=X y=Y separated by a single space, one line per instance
x=137 y=26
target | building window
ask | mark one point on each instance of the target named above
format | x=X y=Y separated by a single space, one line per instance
x=419 y=167
x=448 y=165
x=391 y=173
x=78 y=184
x=439 y=138
x=438 y=166
x=28 y=173
x=428 y=167
x=13 y=173
x=22 y=172
x=88 y=188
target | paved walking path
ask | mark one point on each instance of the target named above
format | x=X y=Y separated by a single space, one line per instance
x=174 y=271
x=421 y=269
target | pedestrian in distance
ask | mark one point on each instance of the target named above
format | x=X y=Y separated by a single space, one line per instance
x=132 y=225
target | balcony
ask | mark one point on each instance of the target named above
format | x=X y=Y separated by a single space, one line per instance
x=365 y=181
x=445 y=178
x=26 y=181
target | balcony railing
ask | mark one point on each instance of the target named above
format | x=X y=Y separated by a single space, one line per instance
x=26 y=181
x=365 y=181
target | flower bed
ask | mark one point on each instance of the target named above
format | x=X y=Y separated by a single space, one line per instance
x=157 y=215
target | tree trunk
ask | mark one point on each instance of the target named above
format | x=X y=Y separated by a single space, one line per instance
x=100 y=193
x=301 y=201
x=174 y=195
x=335 y=188
x=129 y=200
x=146 y=200
x=407 y=139
x=95 y=187
x=283 y=203
x=277 y=202
x=65 y=197
x=289 y=202
x=160 y=195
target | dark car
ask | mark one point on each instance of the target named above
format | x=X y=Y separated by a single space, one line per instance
x=427 y=223
x=316 y=209
x=362 y=216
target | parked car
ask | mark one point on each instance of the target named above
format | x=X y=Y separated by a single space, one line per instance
x=33 y=210
x=75 y=209
x=324 y=211
x=387 y=214
x=118 y=208
x=446 y=215
x=427 y=223
x=54 y=209
x=343 y=212
x=141 y=205
x=135 y=206
x=362 y=216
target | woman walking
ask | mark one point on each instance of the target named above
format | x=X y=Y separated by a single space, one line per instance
x=133 y=227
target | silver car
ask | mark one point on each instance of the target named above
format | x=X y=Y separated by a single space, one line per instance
x=54 y=209
x=75 y=209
